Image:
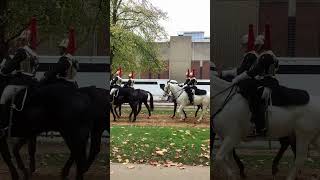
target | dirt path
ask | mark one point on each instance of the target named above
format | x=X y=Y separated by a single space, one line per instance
x=162 y=120
x=147 y=172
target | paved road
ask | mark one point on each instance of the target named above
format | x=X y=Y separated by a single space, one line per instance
x=148 y=172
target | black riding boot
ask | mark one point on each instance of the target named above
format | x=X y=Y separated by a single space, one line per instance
x=3 y=119
x=190 y=97
x=260 y=120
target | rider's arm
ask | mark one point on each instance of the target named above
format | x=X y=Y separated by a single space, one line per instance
x=248 y=61
x=12 y=64
x=260 y=66
x=231 y=72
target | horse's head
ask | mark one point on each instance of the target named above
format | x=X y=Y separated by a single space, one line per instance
x=166 y=89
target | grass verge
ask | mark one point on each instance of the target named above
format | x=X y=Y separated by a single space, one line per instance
x=160 y=145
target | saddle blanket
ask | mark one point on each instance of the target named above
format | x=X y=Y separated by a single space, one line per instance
x=200 y=92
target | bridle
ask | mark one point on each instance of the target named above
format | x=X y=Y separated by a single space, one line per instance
x=166 y=89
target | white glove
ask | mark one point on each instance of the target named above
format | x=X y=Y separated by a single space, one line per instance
x=266 y=93
x=240 y=77
x=232 y=72
x=184 y=86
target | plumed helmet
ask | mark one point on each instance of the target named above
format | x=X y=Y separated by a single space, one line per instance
x=131 y=74
x=244 y=39
x=187 y=73
x=64 y=43
x=71 y=48
x=259 y=40
x=250 y=45
x=25 y=35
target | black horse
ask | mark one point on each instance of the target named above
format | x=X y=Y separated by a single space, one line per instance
x=143 y=98
x=100 y=123
x=122 y=95
x=56 y=108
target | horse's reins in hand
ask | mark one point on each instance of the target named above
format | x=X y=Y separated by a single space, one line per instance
x=229 y=96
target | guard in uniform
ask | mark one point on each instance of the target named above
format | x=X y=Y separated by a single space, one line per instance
x=66 y=68
x=187 y=77
x=249 y=58
x=130 y=82
x=117 y=80
x=190 y=85
x=261 y=75
x=24 y=63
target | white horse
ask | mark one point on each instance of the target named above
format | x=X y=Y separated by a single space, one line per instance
x=182 y=99
x=232 y=125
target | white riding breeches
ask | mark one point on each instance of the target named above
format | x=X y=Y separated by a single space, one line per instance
x=10 y=91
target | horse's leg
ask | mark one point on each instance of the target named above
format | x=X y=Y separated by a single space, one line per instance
x=174 y=109
x=5 y=152
x=180 y=109
x=284 y=146
x=95 y=146
x=225 y=148
x=66 y=168
x=135 y=112
x=302 y=148
x=139 y=107
x=77 y=142
x=148 y=107
x=239 y=163
x=203 y=111
x=114 y=116
x=115 y=111
x=16 y=152
x=196 y=114
x=120 y=110
x=32 y=146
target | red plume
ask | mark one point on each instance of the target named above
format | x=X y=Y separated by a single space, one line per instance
x=120 y=70
x=250 y=38
x=132 y=74
x=72 y=42
x=33 y=33
x=188 y=72
x=193 y=73
x=267 y=43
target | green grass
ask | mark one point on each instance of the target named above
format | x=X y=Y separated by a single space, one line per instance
x=139 y=144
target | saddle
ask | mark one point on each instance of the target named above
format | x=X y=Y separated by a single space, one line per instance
x=280 y=96
x=283 y=96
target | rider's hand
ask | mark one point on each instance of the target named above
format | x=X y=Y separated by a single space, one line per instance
x=240 y=77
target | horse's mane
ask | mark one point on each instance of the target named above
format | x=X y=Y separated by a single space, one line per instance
x=218 y=82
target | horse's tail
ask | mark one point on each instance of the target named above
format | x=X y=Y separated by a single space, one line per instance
x=151 y=101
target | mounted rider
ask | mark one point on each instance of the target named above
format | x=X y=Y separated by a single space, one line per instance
x=189 y=85
x=249 y=58
x=130 y=82
x=66 y=68
x=24 y=63
x=117 y=80
x=260 y=79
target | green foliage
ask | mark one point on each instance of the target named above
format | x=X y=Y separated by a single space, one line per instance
x=54 y=17
x=134 y=29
